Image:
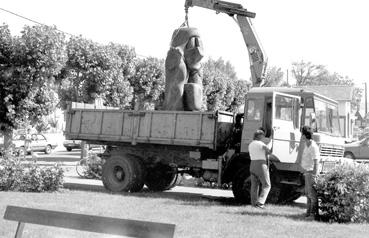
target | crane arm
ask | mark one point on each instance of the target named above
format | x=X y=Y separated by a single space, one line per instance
x=257 y=56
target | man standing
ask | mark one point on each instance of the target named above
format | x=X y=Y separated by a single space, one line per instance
x=259 y=170
x=309 y=162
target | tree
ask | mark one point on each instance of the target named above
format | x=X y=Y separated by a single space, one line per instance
x=95 y=70
x=28 y=66
x=218 y=85
x=356 y=99
x=241 y=87
x=308 y=73
x=274 y=77
x=148 y=84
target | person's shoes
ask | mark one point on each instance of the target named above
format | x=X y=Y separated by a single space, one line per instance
x=259 y=205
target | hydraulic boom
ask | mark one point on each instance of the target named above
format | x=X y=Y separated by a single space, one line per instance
x=257 y=56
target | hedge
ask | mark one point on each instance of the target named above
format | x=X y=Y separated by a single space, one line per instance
x=343 y=194
x=19 y=175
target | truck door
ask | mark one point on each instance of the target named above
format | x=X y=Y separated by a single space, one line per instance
x=285 y=126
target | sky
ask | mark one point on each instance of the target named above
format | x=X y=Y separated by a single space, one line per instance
x=330 y=32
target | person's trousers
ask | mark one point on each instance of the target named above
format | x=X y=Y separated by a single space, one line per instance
x=260 y=181
x=310 y=192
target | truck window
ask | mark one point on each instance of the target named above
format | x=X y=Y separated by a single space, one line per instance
x=327 y=117
x=254 y=109
x=284 y=108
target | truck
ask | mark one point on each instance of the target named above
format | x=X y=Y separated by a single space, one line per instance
x=151 y=148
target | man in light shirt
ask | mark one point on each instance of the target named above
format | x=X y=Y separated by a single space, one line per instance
x=309 y=162
x=259 y=170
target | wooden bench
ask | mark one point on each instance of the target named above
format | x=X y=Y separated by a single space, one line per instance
x=106 y=225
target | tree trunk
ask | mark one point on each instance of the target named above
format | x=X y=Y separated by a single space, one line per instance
x=8 y=136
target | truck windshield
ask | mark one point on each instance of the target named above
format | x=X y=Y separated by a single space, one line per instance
x=327 y=118
x=254 y=109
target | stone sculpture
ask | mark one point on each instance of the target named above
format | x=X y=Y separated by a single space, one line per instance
x=183 y=83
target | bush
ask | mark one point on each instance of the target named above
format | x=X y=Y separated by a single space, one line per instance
x=343 y=194
x=18 y=175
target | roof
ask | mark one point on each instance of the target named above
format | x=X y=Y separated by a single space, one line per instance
x=336 y=92
x=291 y=90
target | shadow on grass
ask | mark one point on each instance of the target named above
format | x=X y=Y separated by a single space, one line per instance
x=186 y=198
x=279 y=213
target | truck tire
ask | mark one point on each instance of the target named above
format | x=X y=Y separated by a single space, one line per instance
x=276 y=187
x=241 y=186
x=349 y=155
x=121 y=173
x=281 y=193
x=161 y=177
x=289 y=193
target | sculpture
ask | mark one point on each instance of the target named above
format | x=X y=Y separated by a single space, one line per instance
x=183 y=83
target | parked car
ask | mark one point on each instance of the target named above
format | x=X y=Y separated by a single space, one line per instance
x=358 y=150
x=76 y=144
x=72 y=144
x=38 y=143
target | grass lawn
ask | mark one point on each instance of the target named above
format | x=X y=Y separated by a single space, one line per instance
x=193 y=214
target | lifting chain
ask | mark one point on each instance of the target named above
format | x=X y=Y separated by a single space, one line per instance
x=186 y=17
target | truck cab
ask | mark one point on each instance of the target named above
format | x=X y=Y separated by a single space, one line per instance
x=282 y=112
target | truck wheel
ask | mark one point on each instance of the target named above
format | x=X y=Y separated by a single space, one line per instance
x=120 y=173
x=349 y=155
x=69 y=148
x=276 y=187
x=241 y=186
x=289 y=193
x=161 y=177
x=274 y=195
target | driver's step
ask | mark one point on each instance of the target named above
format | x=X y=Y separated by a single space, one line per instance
x=291 y=182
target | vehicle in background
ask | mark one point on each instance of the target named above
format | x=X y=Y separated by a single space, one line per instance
x=39 y=143
x=76 y=144
x=358 y=150
x=72 y=144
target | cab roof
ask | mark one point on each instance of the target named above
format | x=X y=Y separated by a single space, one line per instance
x=299 y=91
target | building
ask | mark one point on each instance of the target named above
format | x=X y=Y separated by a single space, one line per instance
x=343 y=95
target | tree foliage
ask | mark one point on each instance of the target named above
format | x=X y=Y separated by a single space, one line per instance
x=148 y=84
x=356 y=99
x=29 y=64
x=307 y=73
x=95 y=70
x=241 y=87
x=274 y=77
x=219 y=85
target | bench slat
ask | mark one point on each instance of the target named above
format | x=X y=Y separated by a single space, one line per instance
x=106 y=225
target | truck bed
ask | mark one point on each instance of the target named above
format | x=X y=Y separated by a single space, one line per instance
x=114 y=126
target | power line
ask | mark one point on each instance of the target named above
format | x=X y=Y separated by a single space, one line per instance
x=34 y=21
x=29 y=19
